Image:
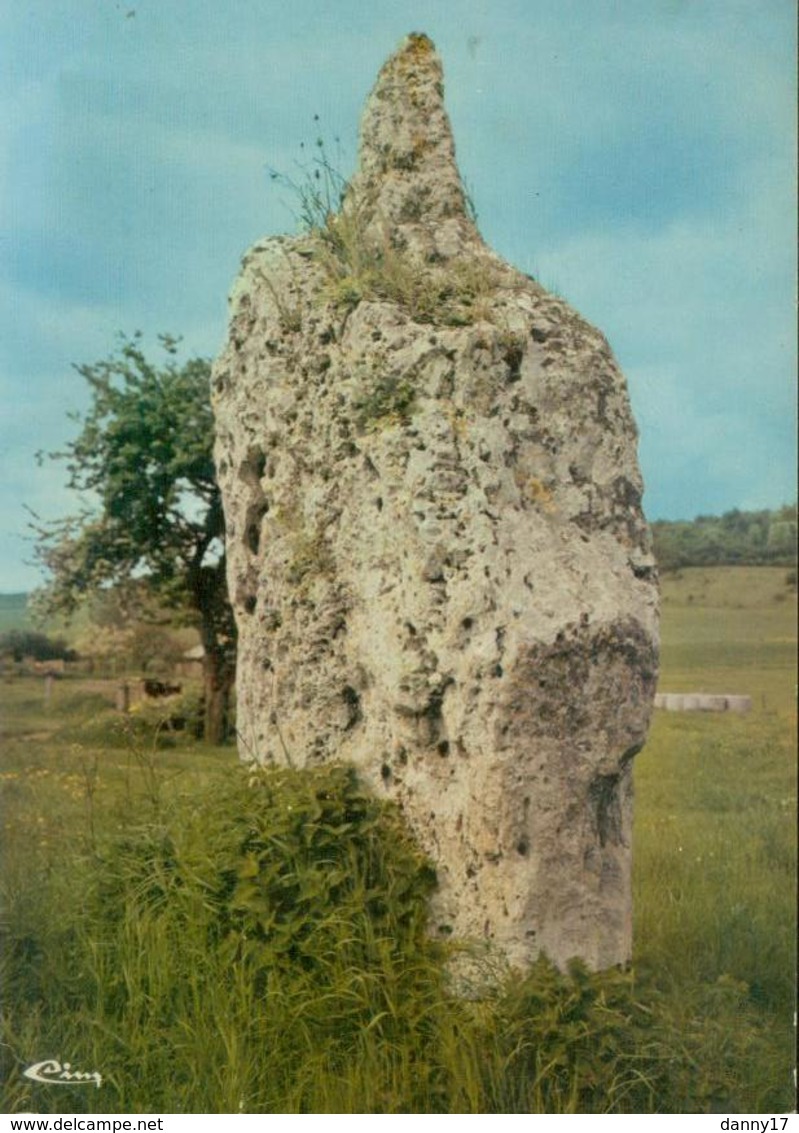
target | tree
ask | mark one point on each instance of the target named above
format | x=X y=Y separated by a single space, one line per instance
x=144 y=454
x=735 y=538
x=22 y=643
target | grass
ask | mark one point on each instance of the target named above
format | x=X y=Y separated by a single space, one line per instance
x=210 y=944
x=715 y=826
x=362 y=261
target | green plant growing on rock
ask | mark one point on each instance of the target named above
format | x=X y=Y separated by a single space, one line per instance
x=153 y=523
x=389 y=400
x=289 y=312
x=359 y=265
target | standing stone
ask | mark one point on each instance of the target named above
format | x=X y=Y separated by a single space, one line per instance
x=439 y=564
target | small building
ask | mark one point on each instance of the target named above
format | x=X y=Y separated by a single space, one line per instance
x=191 y=662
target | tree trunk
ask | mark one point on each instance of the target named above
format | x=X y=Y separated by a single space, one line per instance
x=218 y=683
x=208 y=586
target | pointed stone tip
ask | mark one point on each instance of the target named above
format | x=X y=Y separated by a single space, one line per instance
x=417 y=44
x=415 y=53
x=407 y=169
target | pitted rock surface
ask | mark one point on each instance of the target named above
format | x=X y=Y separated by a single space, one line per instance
x=438 y=558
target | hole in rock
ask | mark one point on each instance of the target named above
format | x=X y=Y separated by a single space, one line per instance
x=252 y=537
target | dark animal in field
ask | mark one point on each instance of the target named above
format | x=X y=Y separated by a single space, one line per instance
x=157 y=689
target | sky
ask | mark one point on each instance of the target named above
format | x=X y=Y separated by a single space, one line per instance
x=636 y=156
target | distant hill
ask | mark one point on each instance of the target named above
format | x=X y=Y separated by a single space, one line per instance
x=14 y=612
x=737 y=538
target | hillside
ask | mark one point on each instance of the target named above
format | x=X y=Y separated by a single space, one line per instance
x=14 y=612
x=730 y=630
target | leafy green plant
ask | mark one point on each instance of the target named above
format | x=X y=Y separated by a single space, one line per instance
x=576 y=1042
x=312 y=842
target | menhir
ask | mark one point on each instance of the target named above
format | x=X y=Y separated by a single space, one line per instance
x=440 y=567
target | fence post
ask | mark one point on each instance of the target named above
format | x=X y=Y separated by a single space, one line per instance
x=123 y=697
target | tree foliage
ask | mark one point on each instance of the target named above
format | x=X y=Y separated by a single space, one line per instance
x=151 y=518
x=737 y=538
x=22 y=643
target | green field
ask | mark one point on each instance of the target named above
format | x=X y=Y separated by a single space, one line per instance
x=140 y=870
x=715 y=820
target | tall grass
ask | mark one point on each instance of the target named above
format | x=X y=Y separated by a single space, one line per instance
x=261 y=947
x=210 y=942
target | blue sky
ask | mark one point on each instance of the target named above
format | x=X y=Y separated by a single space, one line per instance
x=638 y=156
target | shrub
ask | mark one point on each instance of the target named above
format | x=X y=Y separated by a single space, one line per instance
x=22 y=643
